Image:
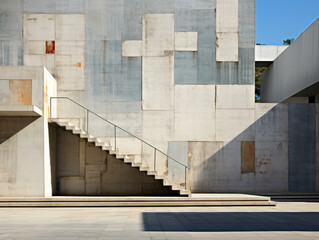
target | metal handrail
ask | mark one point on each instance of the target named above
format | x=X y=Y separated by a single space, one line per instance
x=115 y=126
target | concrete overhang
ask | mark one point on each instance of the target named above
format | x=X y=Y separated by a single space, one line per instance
x=20 y=110
x=295 y=73
x=265 y=55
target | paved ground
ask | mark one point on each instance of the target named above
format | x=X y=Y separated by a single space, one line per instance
x=286 y=221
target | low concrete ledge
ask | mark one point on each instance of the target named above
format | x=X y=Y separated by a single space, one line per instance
x=199 y=200
x=20 y=110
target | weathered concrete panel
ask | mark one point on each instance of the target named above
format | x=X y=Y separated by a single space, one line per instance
x=227 y=73
x=34 y=48
x=20 y=92
x=70 y=78
x=186 y=20
x=247 y=157
x=235 y=96
x=194 y=99
x=271 y=166
x=246 y=23
x=190 y=4
x=195 y=112
x=46 y=61
x=68 y=148
x=195 y=126
x=115 y=20
x=227 y=31
x=302 y=147
x=157 y=129
x=39 y=27
x=205 y=159
x=235 y=124
x=70 y=47
x=10 y=22
x=132 y=48
x=185 y=71
x=70 y=60
x=158 y=83
x=246 y=66
x=39 y=6
x=186 y=41
x=206 y=64
x=34 y=73
x=203 y=22
x=11 y=53
x=122 y=78
x=133 y=12
x=226 y=16
x=166 y=6
x=22 y=163
x=271 y=121
x=96 y=19
x=70 y=27
x=176 y=171
x=158 y=34
x=227 y=47
x=70 y=6
x=4 y=92
x=72 y=186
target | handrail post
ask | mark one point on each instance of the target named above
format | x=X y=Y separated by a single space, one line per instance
x=115 y=137
x=185 y=178
x=87 y=121
x=50 y=107
x=154 y=159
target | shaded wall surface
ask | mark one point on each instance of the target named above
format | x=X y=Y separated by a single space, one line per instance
x=277 y=152
x=80 y=168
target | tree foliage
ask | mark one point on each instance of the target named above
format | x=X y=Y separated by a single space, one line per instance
x=258 y=72
x=288 y=41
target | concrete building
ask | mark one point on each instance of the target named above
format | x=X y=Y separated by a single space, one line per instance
x=143 y=97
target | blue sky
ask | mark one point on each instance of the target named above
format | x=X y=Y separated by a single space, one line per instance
x=277 y=20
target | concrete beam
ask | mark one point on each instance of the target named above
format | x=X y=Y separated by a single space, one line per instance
x=267 y=54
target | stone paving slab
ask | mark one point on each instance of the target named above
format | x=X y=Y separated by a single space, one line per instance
x=285 y=221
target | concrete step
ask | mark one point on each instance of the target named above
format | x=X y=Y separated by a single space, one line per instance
x=107 y=147
x=134 y=204
x=135 y=201
x=78 y=131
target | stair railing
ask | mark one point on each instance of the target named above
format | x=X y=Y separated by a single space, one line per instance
x=88 y=111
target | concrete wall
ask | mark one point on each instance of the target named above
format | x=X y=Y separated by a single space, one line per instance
x=24 y=149
x=275 y=152
x=23 y=162
x=179 y=74
x=294 y=70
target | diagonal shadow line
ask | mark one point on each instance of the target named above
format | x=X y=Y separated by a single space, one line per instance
x=10 y=126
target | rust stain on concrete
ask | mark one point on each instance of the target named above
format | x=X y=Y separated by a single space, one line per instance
x=247 y=157
x=20 y=92
x=49 y=47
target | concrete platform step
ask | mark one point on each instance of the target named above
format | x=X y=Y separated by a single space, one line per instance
x=135 y=204
x=216 y=200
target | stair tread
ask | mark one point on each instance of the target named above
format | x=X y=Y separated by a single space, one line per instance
x=128 y=158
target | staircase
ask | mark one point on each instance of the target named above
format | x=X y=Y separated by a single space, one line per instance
x=106 y=145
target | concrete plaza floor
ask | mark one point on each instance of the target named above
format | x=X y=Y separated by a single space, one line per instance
x=285 y=221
